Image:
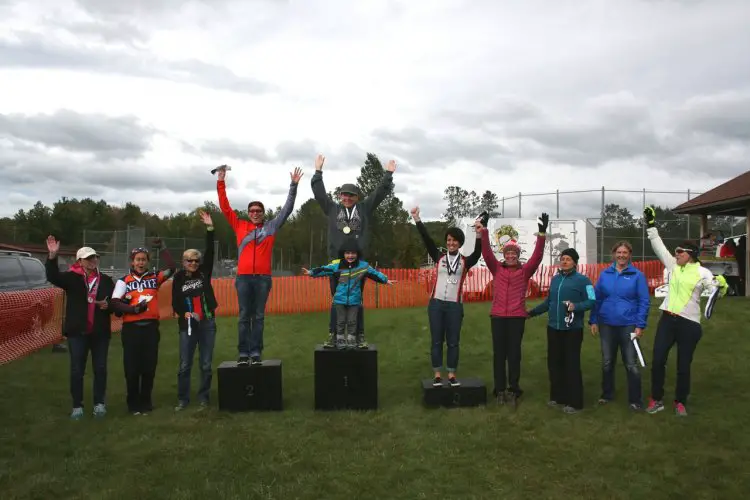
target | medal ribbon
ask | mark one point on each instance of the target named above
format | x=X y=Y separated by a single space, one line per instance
x=93 y=287
x=453 y=265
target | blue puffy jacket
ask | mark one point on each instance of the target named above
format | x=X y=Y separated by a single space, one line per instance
x=622 y=299
x=350 y=279
x=567 y=287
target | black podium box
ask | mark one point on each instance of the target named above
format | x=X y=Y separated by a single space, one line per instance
x=346 y=379
x=471 y=392
x=250 y=388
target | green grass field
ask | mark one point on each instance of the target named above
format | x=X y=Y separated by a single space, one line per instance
x=401 y=451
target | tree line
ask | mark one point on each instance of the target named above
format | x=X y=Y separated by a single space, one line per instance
x=394 y=243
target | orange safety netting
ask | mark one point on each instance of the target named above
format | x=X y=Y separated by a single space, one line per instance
x=32 y=319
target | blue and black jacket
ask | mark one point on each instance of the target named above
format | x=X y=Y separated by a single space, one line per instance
x=622 y=298
x=567 y=287
x=350 y=279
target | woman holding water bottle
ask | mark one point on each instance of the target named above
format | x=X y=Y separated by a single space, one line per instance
x=620 y=312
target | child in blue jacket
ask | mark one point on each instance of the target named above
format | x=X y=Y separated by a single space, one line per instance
x=570 y=295
x=350 y=273
x=622 y=303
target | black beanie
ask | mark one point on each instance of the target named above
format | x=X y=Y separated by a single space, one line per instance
x=570 y=252
x=348 y=245
x=457 y=235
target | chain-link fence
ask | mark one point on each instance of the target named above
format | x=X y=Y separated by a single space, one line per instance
x=114 y=247
x=618 y=213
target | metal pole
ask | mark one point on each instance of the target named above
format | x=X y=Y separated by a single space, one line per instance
x=503 y=205
x=519 y=204
x=601 y=241
x=557 y=196
x=688 y=217
x=643 y=230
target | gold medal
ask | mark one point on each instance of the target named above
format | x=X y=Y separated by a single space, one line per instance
x=347 y=230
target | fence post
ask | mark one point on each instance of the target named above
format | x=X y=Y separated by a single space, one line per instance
x=601 y=223
x=519 y=204
x=557 y=196
x=688 y=217
x=643 y=231
x=503 y=209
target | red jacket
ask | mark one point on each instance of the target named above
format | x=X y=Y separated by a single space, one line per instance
x=510 y=283
x=255 y=242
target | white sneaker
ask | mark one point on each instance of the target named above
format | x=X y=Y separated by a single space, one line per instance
x=76 y=414
x=100 y=410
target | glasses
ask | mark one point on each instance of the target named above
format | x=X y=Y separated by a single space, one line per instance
x=680 y=250
x=139 y=250
x=192 y=261
x=254 y=211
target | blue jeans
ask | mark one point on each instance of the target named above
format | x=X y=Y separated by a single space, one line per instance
x=612 y=338
x=203 y=337
x=79 y=347
x=252 y=293
x=445 y=326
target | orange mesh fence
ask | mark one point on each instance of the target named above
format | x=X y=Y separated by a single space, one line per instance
x=32 y=319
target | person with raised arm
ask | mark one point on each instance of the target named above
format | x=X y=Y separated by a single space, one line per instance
x=255 y=240
x=445 y=311
x=194 y=303
x=348 y=218
x=680 y=321
x=87 y=324
x=508 y=313
x=140 y=329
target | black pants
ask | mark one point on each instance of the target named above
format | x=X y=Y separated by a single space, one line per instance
x=564 y=367
x=507 y=334
x=79 y=347
x=140 y=355
x=686 y=334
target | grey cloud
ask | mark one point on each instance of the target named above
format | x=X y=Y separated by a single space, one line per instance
x=106 y=31
x=421 y=150
x=121 y=137
x=238 y=151
x=724 y=115
x=303 y=151
x=36 y=51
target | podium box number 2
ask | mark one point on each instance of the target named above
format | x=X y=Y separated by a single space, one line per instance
x=250 y=388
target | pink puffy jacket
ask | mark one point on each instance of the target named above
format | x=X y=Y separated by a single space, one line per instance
x=510 y=283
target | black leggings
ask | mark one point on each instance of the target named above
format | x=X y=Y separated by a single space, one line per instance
x=140 y=355
x=507 y=334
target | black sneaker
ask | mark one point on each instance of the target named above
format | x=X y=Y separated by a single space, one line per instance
x=243 y=361
x=255 y=360
x=437 y=382
x=454 y=382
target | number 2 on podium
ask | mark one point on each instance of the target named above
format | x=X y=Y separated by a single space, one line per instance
x=250 y=391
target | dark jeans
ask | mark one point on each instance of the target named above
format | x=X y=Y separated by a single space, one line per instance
x=360 y=313
x=79 y=347
x=140 y=355
x=612 y=338
x=686 y=334
x=564 y=366
x=507 y=334
x=445 y=327
x=252 y=293
x=203 y=337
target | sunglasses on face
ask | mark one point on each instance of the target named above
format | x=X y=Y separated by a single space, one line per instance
x=192 y=261
x=139 y=250
x=680 y=250
x=254 y=211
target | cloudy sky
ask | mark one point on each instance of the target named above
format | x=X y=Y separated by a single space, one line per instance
x=138 y=103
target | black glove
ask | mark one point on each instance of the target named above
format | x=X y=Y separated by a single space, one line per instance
x=543 y=222
x=649 y=216
x=484 y=218
x=140 y=307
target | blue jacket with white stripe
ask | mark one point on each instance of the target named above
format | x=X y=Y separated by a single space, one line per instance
x=350 y=279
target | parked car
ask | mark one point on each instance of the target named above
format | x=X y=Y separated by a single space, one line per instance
x=27 y=300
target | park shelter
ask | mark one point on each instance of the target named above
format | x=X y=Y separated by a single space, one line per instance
x=729 y=199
